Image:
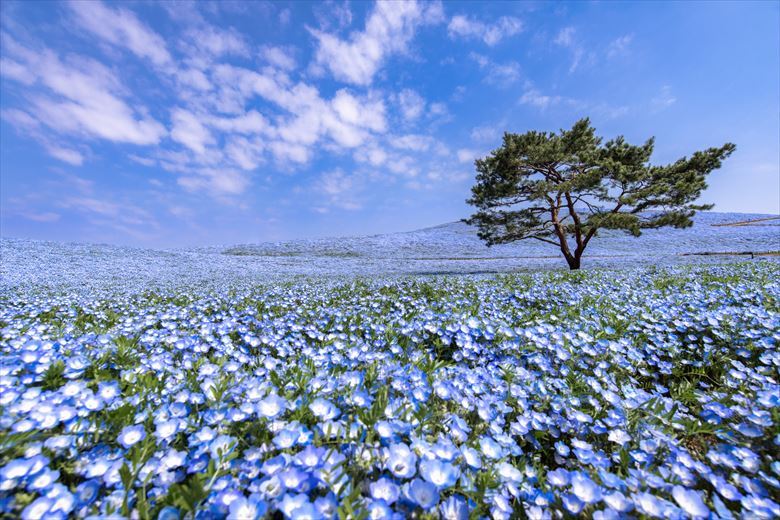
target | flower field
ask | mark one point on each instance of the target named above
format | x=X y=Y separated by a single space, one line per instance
x=610 y=393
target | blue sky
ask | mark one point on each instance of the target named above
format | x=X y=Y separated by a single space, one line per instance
x=174 y=124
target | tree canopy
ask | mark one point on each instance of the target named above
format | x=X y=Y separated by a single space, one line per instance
x=562 y=188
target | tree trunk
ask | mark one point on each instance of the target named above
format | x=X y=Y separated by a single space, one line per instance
x=574 y=262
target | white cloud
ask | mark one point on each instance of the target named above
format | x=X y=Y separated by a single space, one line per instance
x=85 y=98
x=664 y=99
x=438 y=109
x=189 y=131
x=340 y=189
x=252 y=122
x=122 y=28
x=412 y=104
x=620 y=46
x=372 y=154
x=388 y=30
x=16 y=71
x=487 y=132
x=333 y=15
x=216 y=41
x=194 y=78
x=46 y=216
x=535 y=98
x=346 y=121
x=219 y=181
x=491 y=34
x=466 y=155
x=416 y=142
x=567 y=38
x=285 y=15
x=67 y=155
x=499 y=74
x=278 y=56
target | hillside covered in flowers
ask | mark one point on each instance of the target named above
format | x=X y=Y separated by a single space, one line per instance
x=645 y=392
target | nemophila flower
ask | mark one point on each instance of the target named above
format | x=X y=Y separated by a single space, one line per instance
x=490 y=448
x=584 y=488
x=401 y=461
x=379 y=510
x=385 y=429
x=572 y=504
x=168 y=513
x=251 y=508
x=87 y=491
x=454 y=508
x=286 y=438
x=166 y=430
x=327 y=506
x=222 y=446
x=422 y=493
x=42 y=480
x=385 y=489
x=323 y=409
x=617 y=501
x=690 y=501
x=131 y=435
x=271 y=406
x=558 y=477
x=442 y=474
x=290 y=503
x=39 y=508
x=562 y=449
x=619 y=437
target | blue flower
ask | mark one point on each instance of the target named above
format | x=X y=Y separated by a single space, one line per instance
x=251 y=508
x=131 y=435
x=323 y=409
x=385 y=489
x=222 y=446
x=168 y=513
x=454 y=508
x=441 y=474
x=166 y=430
x=558 y=477
x=401 y=461
x=39 y=508
x=572 y=504
x=585 y=489
x=422 y=493
x=690 y=501
x=271 y=406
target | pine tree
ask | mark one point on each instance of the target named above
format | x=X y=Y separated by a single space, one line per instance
x=562 y=188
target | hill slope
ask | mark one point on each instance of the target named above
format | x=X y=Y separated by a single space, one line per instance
x=712 y=232
x=451 y=248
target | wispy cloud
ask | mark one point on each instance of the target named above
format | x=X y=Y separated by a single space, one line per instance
x=411 y=103
x=487 y=133
x=535 y=98
x=664 y=99
x=340 y=190
x=277 y=56
x=568 y=39
x=620 y=46
x=499 y=74
x=122 y=28
x=81 y=96
x=541 y=101
x=490 y=33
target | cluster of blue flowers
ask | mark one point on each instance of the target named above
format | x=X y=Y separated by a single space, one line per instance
x=606 y=394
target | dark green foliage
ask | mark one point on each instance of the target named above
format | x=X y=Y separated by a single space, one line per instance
x=566 y=186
